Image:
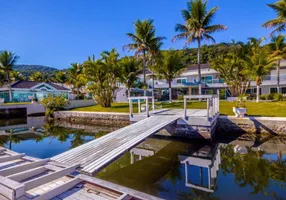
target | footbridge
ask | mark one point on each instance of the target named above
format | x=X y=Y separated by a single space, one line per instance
x=98 y=153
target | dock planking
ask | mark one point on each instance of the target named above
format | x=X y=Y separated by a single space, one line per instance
x=98 y=153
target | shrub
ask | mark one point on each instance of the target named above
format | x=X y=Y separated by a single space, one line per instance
x=270 y=96
x=264 y=97
x=180 y=97
x=53 y=104
x=278 y=97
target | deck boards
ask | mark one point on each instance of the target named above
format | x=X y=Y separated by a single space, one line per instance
x=96 y=154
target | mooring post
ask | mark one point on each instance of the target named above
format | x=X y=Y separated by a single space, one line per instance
x=208 y=107
x=147 y=107
x=185 y=108
x=139 y=105
x=130 y=108
x=218 y=93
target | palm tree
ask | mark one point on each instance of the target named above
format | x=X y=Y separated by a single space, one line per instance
x=76 y=77
x=169 y=68
x=142 y=41
x=37 y=77
x=129 y=71
x=61 y=77
x=7 y=62
x=258 y=65
x=278 y=49
x=280 y=22
x=198 y=27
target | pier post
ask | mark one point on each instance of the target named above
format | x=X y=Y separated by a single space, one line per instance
x=147 y=107
x=139 y=106
x=208 y=107
x=185 y=108
x=130 y=108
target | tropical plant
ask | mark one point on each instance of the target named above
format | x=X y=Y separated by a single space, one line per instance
x=76 y=77
x=278 y=50
x=37 y=77
x=142 y=40
x=130 y=69
x=258 y=64
x=101 y=75
x=16 y=76
x=53 y=104
x=169 y=68
x=230 y=68
x=61 y=77
x=279 y=24
x=2 y=78
x=198 y=27
x=7 y=62
x=111 y=61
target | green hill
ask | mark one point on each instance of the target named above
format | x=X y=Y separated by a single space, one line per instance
x=27 y=70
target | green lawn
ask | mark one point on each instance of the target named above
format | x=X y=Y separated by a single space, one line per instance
x=269 y=109
x=17 y=103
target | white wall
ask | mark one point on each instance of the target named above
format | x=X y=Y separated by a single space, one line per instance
x=80 y=103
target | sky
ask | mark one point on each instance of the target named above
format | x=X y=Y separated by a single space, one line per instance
x=57 y=33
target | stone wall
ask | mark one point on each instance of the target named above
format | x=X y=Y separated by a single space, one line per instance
x=96 y=118
x=257 y=125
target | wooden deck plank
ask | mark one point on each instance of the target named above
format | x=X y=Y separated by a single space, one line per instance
x=95 y=154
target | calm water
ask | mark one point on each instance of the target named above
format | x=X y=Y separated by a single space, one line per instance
x=170 y=169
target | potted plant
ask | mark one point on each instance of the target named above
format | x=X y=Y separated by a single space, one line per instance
x=239 y=108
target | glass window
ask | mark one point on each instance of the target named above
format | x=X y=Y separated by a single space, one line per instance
x=283 y=90
x=273 y=90
x=179 y=80
x=184 y=80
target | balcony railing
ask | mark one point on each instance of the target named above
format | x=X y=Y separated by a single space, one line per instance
x=274 y=77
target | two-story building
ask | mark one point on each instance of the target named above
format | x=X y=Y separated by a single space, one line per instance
x=187 y=83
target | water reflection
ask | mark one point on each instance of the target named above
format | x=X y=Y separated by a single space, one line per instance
x=176 y=169
x=36 y=137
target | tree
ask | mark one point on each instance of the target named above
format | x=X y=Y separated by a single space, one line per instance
x=230 y=68
x=76 y=77
x=258 y=64
x=37 y=77
x=16 y=76
x=279 y=24
x=278 y=50
x=198 y=27
x=102 y=75
x=130 y=69
x=7 y=62
x=61 y=77
x=142 y=40
x=170 y=67
x=2 y=78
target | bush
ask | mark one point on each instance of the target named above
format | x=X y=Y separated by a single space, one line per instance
x=278 y=97
x=180 y=97
x=270 y=96
x=264 y=97
x=53 y=104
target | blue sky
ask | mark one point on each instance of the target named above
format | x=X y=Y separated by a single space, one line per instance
x=58 y=32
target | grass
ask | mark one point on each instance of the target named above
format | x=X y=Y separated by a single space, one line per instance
x=17 y=103
x=267 y=109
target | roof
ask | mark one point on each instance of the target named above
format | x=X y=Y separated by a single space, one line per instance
x=30 y=84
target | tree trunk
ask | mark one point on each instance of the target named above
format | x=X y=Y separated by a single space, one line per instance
x=199 y=67
x=144 y=73
x=257 y=93
x=9 y=86
x=278 y=76
x=170 y=92
x=129 y=92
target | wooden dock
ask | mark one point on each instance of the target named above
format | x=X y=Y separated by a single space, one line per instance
x=98 y=153
x=26 y=178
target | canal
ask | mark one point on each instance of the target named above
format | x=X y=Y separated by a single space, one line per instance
x=170 y=168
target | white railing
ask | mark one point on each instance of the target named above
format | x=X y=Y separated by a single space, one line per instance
x=274 y=77
x=212 y=104
x=146 y=99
